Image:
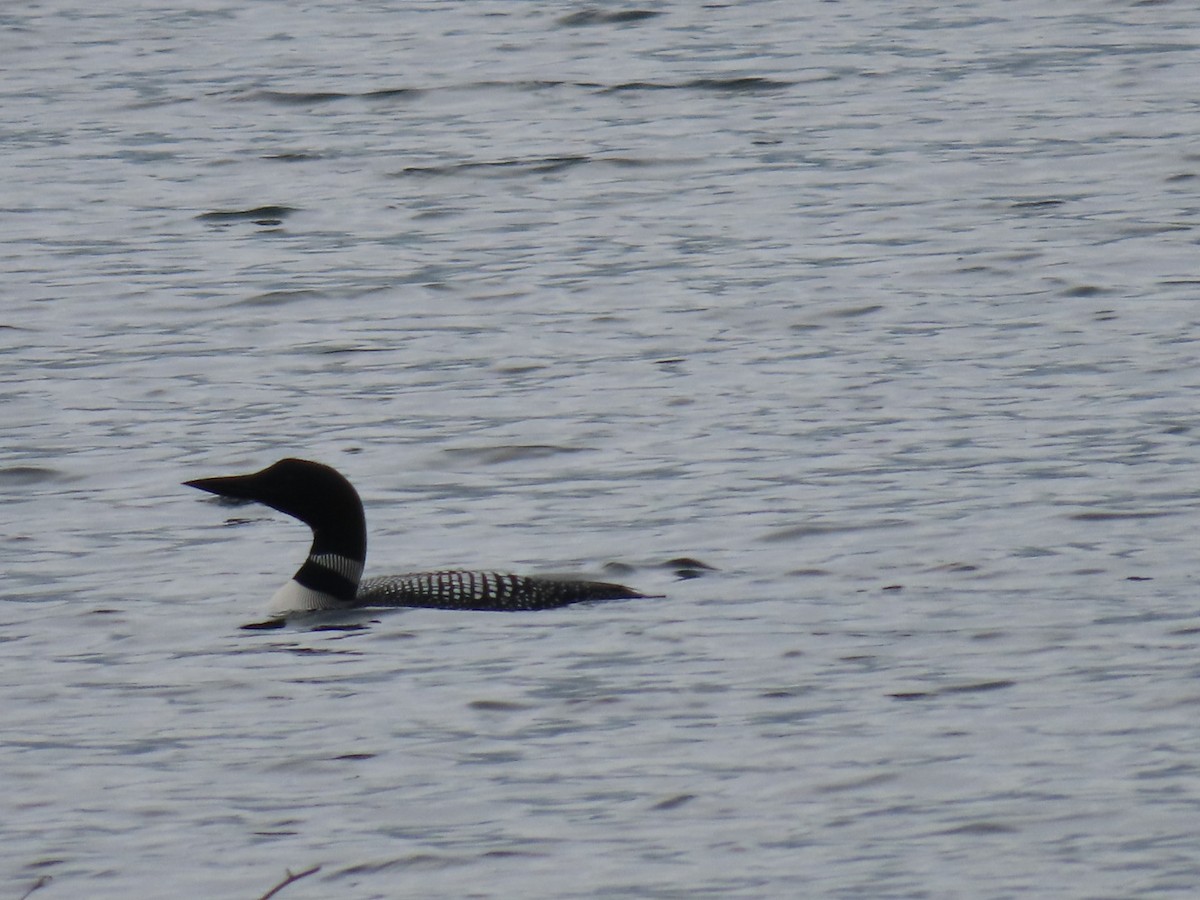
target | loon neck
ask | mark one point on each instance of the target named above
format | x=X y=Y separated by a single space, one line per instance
x=333 y=574
x=339 y=549
x=325 y=581
x=344 y=538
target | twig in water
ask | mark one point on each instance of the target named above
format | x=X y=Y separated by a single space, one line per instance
x=288 y=880
x=40 y=883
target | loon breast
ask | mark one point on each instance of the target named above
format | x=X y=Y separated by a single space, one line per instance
x=295 y=597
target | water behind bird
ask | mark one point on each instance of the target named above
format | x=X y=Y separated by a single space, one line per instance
x=883 y=317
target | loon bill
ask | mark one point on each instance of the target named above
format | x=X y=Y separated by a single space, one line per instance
x=331 y=577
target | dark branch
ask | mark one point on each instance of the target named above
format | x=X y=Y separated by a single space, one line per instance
x=40 y=883
x=288 y=880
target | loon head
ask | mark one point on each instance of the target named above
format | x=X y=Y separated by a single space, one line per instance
x=323 y=499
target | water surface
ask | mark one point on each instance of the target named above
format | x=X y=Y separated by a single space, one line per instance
x=886 y=314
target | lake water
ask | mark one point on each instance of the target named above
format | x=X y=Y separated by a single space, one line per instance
x=889 y=314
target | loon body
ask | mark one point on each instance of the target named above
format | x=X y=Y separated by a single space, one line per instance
x=331 y=577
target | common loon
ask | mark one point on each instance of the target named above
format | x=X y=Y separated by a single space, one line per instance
x=331 y=577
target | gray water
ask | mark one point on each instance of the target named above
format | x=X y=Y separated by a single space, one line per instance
x=887 y=312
